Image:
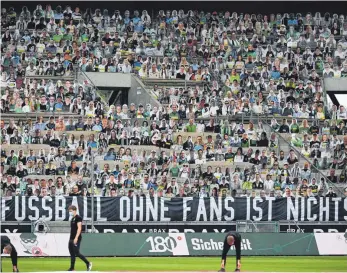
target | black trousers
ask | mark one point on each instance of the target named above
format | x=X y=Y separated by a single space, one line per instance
x=75 y=252
x=14 y=255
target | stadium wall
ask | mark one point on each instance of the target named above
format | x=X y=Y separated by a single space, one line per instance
x=335 y=84
x=139 y=95
x=180 y=244
x=176 y=227
x=136 y=91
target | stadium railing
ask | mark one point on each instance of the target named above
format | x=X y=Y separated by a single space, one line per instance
x=252 y=226
x=301 y=158
x=283 y=226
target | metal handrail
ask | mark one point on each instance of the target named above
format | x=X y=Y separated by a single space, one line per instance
x=327 y=181
x=80 y=74
x=255 y=227
x=294 y=222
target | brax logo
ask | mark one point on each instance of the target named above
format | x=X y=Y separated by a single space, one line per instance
x=291 y=230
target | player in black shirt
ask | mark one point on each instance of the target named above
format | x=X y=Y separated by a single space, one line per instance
x=75 y=239
x=232 y=238
x=8 y=248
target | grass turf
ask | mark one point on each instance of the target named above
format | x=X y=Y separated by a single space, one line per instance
x=266 y=264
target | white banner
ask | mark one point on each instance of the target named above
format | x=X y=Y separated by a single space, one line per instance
x=331 y=243
x=175 y=243
x=40 y=244
x=181 y=244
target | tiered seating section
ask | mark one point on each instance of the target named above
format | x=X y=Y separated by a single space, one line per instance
x=243 y=110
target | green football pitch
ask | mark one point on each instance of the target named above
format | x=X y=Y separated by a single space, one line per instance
x=197 y=264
